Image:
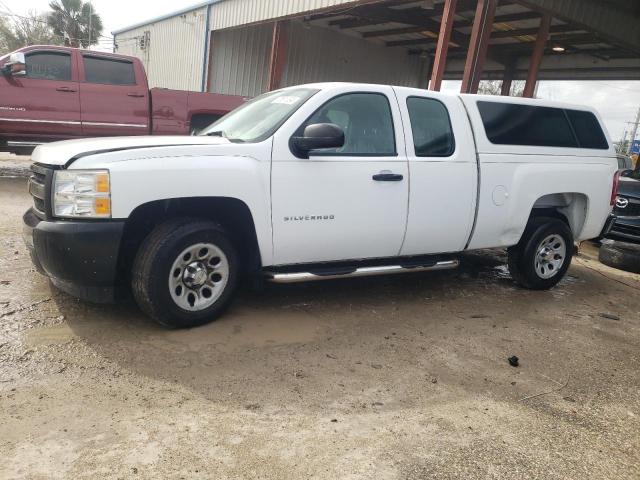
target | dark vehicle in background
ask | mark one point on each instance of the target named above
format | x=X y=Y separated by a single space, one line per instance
x=50 y=93
x=626 y=224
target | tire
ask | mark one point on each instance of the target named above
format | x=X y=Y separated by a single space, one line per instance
x=620 y=255
x=535 y=269
x=177 y=283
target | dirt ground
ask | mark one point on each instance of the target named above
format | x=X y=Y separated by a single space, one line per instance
x=402 y=377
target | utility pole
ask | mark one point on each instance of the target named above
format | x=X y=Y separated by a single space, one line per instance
x=634 y=132
x=90 y=19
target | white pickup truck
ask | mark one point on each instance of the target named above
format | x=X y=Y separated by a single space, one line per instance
x=320 y=181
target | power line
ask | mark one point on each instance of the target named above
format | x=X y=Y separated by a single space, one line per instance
x=5 y=6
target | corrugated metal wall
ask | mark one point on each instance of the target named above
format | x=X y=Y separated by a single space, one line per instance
x=320 y=54
x=231 y=13
x=173 y=57
x=240 y=60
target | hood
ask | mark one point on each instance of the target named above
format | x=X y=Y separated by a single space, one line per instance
x=59 y=153
x=629 y=187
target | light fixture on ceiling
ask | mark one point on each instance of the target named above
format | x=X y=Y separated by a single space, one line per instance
x=558 y=49
x=427 y=5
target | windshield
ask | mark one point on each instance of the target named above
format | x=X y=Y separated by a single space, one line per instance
x=258 y=119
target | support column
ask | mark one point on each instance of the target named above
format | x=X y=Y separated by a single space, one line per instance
x=278 y=60
x=210 y=62
x=507 y=80
x=440 y=59
x=536 y=56
x=478 y=44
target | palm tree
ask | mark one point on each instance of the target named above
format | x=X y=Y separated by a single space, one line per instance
x=76 y=21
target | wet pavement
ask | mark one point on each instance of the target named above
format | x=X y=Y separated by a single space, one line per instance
x=401 y=377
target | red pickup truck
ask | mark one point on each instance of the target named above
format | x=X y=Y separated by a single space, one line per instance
x=52 y=93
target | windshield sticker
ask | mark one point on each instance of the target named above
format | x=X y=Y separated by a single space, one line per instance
x=290 y=100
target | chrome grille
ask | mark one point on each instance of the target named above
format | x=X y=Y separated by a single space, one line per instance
x=631 y=210
x=39 y=185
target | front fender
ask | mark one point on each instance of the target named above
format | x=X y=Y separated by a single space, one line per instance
x=234 y=171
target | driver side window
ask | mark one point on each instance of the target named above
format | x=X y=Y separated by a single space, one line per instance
x=49 y=66
x=366 y=121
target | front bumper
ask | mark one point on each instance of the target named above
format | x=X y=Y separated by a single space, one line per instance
x=623 y=228
x=80 y=257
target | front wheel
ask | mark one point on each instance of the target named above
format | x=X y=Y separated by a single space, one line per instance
x=185 y=273
x=543 y=255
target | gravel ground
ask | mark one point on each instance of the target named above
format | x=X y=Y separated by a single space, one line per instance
x=14 y=165
x=401 y=377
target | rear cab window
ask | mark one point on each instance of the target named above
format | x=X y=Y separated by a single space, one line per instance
x=530 y=125
x=108 y=71
x=588 y=130
x=48 y=66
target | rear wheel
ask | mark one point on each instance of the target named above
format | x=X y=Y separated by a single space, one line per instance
x=185 y=273
x=543 y=255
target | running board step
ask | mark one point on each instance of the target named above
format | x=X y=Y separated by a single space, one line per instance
x=327 y=274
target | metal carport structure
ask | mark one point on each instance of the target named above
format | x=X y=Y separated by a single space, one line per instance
x=249 y=46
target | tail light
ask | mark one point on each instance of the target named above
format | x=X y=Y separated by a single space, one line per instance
x=614 y=190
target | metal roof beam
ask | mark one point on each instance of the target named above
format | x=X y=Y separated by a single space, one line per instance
x=617 y=25
x=371 y=15
x=512 y=17
x=498 y=34
x=523 y=32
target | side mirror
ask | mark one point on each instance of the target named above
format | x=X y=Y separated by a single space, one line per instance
x=626 y=173
x=317 y=136
x=16 y=65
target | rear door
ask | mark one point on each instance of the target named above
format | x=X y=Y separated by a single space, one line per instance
x=443 y=171
x=45 y=101
x=114 y=97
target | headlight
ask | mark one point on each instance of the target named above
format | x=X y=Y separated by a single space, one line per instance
x=82 y=193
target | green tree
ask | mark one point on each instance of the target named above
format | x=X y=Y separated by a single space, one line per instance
x=21 y=31
x=622 y=146
x=8 y=40
x=76 y=22
x=494 y=87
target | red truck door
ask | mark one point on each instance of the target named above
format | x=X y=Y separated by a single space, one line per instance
x=114 y=96
x=45 y=102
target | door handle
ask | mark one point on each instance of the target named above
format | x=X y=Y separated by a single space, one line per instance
x=386 y=176
x=136 y=95
x=65 y=89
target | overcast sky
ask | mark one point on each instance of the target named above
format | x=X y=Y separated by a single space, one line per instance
x=617 y=102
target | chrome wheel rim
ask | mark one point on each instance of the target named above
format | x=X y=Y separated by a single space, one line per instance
x=198 y=276
x=550 y=256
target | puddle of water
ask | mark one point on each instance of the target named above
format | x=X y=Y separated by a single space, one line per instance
x=245 y=327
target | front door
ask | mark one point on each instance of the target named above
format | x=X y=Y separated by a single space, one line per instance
x=44 y=102
x=114 y=100
x=344 y=203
